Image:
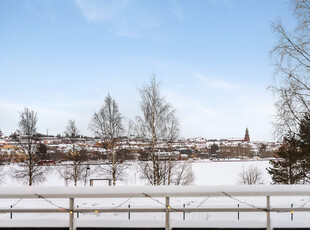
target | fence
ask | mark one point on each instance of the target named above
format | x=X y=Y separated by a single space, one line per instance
x=166 y=192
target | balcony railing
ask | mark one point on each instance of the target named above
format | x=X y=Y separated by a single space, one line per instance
x=156 y=192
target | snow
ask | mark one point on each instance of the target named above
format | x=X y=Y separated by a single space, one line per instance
x=225 y=173
x=155 y=191
x=212 y=178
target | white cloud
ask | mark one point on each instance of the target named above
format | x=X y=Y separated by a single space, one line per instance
x=9 y=106
x=194 y=114
x=130 y=18
x=52 y=117
x=177 y=10
x=123 y=34
x=216 y=83
x=101 y=10
x=222 y=3
x=81 y=103
x=221 y=109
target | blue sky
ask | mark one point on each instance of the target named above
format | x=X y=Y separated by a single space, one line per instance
x=60 y=58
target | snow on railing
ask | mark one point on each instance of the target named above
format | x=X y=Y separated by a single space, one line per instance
x=154 y=192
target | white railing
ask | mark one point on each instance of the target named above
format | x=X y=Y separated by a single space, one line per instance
x=167 y=192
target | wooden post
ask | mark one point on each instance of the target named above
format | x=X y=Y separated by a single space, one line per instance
x=71 y=214
x=167 y=214
x=268 y=213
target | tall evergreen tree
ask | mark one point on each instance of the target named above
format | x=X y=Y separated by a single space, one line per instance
x=292 y=165
x=304 y=135
x=287 y=168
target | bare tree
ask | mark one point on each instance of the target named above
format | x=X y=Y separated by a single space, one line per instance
x=173 y=132
x=159 y=124
x=147 y=171
x=181 y=173
x=2 y=160
x=164 y=167
x=153 y=123
x=116 y=171
x=107 y=124
x=30 y=171
x=71 y=130
x=76 y=156
x=76 y=169
x=291 y=57
x=250 y=175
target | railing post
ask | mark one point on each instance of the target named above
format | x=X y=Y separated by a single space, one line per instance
x=292 y=213
x=238 y=212
x=167 y=214
x=268 y=213
x=71 y=214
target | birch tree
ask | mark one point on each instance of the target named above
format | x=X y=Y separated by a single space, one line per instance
x=291 y=58
x=75 y=170
x=30 y=171
x=107 y=124
x=2 y=161
x=76 y=156
x=153 y=125
x=173 y=132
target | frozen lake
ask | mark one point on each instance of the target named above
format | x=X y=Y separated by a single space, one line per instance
x=206 y=173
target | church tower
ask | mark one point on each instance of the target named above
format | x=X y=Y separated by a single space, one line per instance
x=247 y=135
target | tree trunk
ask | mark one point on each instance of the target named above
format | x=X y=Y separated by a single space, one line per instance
x=75 y=174
x=30 y=174
x=169 y=169
x=153 y=152
x=113 y=168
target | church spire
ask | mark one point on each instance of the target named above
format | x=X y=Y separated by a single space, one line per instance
x=247 y=135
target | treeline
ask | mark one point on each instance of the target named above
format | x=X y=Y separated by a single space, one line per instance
x=157 y=122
